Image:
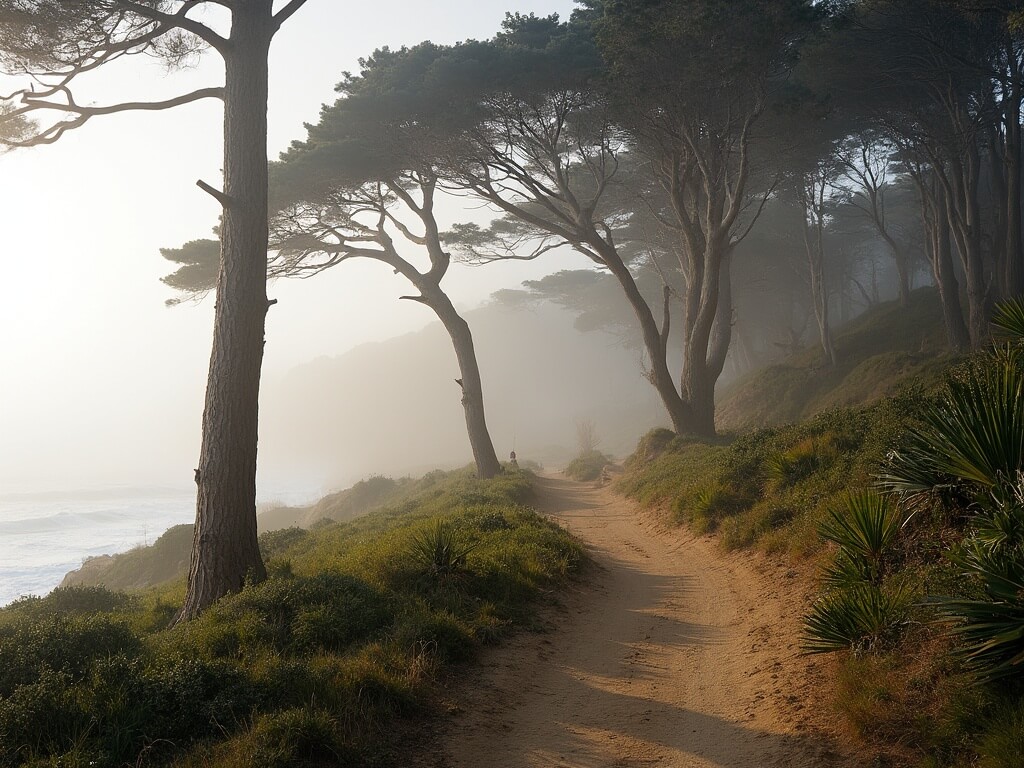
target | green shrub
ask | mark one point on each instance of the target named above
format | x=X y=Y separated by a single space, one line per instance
x=865 y=530
x=439 y=551
x=324 y=612
x=860 y=617
x=991 y=628
x=1001 y=743
x=974 y=436
x=587 y=466
x=709 y=505
x=294 y=738
x=797 y=462
x=66 y=645
x=73 y=599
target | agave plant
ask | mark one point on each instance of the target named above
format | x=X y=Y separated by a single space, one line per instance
x=974 y=437
x=439 y=551
x=856 y=618
x=992 y=629
x=1008 y=317
x=865 y=530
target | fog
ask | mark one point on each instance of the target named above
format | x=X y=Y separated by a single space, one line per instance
x=100 y=383
x=393 y=407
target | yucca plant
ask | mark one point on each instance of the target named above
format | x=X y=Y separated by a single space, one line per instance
x=439 y=551
x=975 y=437
x=865 y=530
x=857 y=618
x=1008 y=318
x=992 y=629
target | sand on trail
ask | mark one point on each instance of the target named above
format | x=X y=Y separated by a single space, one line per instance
x=672 y=653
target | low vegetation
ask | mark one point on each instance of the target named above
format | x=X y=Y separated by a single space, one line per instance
x=879 y=354
x=913 y=510
x=587 y=465
x=315 y=666
x=167 y=558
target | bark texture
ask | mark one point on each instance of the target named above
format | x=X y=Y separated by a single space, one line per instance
x=225 y=552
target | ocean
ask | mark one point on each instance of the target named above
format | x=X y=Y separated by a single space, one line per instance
x=45 y=535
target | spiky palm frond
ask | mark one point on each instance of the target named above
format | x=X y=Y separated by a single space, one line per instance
x=865 y=528
x=975 y=436
x=1008 y=317
x=857 y=618
x=439 y=552
x=991 y=629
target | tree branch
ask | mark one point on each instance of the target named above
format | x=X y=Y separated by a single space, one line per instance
x=287 y=12
x=179 y=20
x=84 y=114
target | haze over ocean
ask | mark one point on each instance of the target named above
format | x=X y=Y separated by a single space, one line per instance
x=45 y=535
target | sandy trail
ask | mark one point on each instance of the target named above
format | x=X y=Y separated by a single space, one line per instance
x=673 y=654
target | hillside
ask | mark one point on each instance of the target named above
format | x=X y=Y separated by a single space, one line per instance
x=394 y=408
x=335 y=659
x=878 y=353
x=902 y=513
x=167 y=558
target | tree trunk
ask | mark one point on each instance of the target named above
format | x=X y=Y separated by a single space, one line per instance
x=903 y=277
x=655 y=339
x=963 y=214
x=1013 y=273
x=812 y=198
x=225 y=552
x=949 y=289
x=701 y=364
x=487 y=464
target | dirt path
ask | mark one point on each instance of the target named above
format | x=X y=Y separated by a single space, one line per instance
x=674 y=654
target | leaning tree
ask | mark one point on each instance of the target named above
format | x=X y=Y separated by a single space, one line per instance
x=55 y=42
x=364 y=185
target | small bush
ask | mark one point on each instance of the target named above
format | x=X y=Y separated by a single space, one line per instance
x=1001 y=744
x=865 y=529
x=439 y=551
x=861 y=617
x=294 y=738
x=587 y=466
x=65 y=645
x=74 y=599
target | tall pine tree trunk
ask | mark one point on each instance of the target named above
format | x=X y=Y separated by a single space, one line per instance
x=225 y=552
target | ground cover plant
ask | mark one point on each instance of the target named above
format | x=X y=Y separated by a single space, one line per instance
x=313 y=666
x=587 y=465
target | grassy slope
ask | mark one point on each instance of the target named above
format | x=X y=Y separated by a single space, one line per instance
x=167 y=558
x=319 y=665
x=879 y=352
x=908 y=699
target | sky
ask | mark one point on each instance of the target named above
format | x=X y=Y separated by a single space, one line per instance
x=100 y=383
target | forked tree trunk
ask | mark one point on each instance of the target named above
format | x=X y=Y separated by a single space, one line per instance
x=225 y=552
x=700 y=367
x=655 y=339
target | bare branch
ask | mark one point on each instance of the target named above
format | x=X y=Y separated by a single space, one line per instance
x=287 y=12
x=83 y=114
x=178 y=20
